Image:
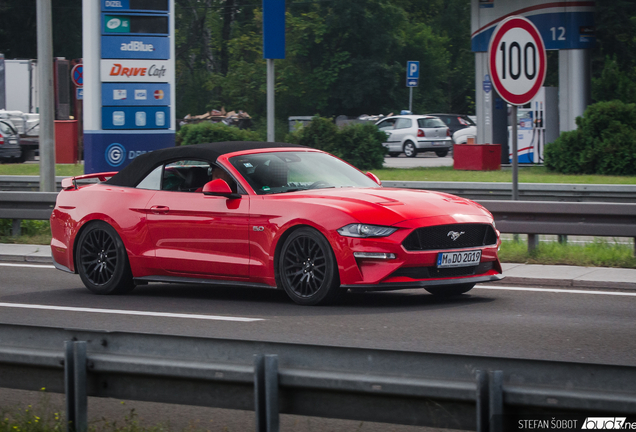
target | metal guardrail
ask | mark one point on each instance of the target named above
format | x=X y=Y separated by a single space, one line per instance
x=527 y=191
x=399 y=387
x=563 y=218
x=20 y=205
x=471 y=190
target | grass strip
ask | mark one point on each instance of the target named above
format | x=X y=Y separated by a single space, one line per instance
x=45 y=416
x=33 y=169
x=526 y=175
x=599 y=253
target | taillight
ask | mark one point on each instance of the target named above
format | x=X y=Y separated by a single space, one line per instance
x=1 y=140
x=448 y=132
x=420 y=133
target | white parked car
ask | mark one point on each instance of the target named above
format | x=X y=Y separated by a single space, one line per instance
x=413 y=134
x=462 y=135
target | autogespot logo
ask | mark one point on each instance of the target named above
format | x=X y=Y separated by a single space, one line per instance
x=115 y=154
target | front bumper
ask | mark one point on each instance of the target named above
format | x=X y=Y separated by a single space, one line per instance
x=411 y=268
x=392 y=286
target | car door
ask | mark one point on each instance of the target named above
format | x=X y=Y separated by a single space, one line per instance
x=195 y=234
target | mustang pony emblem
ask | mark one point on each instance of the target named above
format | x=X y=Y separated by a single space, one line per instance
x=454 y=235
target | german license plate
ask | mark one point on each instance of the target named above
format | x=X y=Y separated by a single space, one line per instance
x=458 y=259
x=438 y=143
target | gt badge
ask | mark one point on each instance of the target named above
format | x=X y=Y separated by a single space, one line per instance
x=454 y=235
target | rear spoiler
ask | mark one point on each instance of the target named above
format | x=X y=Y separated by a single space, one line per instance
x=70 y=183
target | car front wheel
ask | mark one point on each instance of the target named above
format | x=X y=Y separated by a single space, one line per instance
x=307 y=268
x=409 y=149
x=102 y=261
x=450 y=290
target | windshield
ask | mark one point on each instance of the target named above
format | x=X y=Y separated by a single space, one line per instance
x=279 y=172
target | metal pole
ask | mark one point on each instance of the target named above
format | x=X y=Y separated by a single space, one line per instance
x=75 y=386
x=270 y=100
x=515 y=156
x=266 y=393
x=47 y=109
x=411 y=99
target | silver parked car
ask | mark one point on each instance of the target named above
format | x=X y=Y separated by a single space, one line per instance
x=10 y=150
x=413 y=134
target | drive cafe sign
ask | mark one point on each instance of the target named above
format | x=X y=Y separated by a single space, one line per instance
x=136 y=71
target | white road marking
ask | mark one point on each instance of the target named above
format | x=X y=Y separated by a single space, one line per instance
x=129 y=312
x=554 y=290
x=27 y=265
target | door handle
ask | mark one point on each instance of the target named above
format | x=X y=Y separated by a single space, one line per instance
x=159 y=209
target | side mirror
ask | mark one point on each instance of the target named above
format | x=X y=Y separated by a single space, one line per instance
x=219 y=187
x=373 y=177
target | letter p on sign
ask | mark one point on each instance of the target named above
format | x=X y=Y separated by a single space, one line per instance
x=413 y=70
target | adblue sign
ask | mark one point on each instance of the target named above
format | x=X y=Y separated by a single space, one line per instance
x=135 y=47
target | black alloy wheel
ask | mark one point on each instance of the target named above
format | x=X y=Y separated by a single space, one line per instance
x=409 y=149
x=307 y=268
x=450 y=290
x=102 y=262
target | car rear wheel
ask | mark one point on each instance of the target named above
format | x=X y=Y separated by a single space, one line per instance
x=307 y=268
x=441 y=153
x=409 y=149
x=102 y=261
x=450 y=290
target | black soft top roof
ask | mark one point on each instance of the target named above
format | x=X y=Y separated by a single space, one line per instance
x=143 y=164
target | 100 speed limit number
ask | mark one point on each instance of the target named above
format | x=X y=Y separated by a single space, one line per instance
x=517 y=60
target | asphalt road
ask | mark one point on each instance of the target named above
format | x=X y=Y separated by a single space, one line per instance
x=551 y=324
x=586 y=326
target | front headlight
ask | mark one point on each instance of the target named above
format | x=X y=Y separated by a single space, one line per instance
x=363 y=230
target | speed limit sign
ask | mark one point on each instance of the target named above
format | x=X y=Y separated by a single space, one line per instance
x=517 y=60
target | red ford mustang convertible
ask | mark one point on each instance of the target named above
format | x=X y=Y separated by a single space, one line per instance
x=267 y=215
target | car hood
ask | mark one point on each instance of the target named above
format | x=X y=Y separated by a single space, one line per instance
x=390 y=206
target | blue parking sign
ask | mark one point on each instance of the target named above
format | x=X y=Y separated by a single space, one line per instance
x=412 y=70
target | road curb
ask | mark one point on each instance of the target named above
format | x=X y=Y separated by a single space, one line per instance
x=31 y=259
x=565 y=283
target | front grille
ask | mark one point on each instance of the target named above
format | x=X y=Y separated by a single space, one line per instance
x=434 y=273
x=440 y=237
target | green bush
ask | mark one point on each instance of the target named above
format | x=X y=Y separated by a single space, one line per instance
x=29 y=227
x=358 y=144
x=213 y=132
x=603 y=142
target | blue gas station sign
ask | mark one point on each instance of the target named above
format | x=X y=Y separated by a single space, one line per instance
x=131 y=118
x=137 y=24
x=135 y=47
x=135 y=94
x=134 y=113
x=113 y=151
x=135 y=5
x=559 y=30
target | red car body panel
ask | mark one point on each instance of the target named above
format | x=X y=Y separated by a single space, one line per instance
x=198 y=236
